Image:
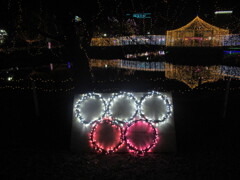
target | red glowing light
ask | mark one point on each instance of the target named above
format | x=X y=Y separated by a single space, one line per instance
x=106 y=137
x=140 y=136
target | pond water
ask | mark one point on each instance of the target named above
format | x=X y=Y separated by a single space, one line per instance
x=152 y=70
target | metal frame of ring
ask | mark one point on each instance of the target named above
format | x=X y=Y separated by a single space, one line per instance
x=77 y=108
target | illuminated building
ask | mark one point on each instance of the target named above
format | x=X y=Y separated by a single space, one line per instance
x=196 y=33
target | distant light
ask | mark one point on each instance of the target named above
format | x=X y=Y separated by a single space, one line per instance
x=3 y=35
x=51 y=66
x=104 y=35
x=148 y=32
x=69 y=65
x=142 y=15
x=77 y=19
x=223 y=12
x=9 y=78
x=106 y=65
x=49 y=45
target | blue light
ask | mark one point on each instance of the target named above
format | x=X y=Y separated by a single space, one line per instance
x=69 y=65
x=142 y=15
x=233 y=52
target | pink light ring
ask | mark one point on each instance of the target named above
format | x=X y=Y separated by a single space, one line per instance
x=77 y=107
x=94 y=143
x=166 y=101
x=122 y=94
x=131 y=147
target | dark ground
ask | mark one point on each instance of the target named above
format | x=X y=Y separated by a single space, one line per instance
x=40 y=164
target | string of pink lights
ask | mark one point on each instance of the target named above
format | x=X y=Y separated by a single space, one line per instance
x=126 y=135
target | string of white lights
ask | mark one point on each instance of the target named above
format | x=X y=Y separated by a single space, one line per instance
x=84 y=98
x=162 y=97
x=115 y=98
x=109 y=103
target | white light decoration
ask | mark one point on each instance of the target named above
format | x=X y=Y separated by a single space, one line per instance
x=9 y=78
x=166 y=102
x=128 y=101
x=84 y=98
x=3 y=36
x=223 y=12
x=77 y=19
x=115 y=98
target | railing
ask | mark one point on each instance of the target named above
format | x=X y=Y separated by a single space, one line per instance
x=129 y=40
x=226 y=40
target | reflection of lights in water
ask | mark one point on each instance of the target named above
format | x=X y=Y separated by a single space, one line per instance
x=157 y=53
x=230 y=71
x=125 y=64
x=192 y=75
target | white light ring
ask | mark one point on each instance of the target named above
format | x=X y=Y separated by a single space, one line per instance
x=129 y=95
x=85 y=97
x=166 y=101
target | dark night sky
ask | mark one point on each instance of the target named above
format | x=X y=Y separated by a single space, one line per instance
x=177 y=12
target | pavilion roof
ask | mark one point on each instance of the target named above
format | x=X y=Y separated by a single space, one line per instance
x=198 y=24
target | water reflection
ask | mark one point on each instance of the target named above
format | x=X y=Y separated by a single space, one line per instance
x=125 y=64
x=192 y=76
x=145 y=54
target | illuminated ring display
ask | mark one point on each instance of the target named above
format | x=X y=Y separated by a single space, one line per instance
x=85 y=97
x=165 y=100
x=120 y=95
x=131 y=146
x=95 y=144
